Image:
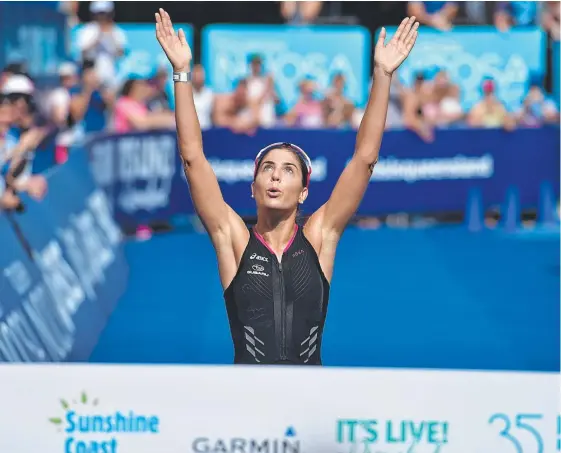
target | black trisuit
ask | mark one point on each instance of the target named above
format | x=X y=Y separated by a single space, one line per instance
x=277 y=310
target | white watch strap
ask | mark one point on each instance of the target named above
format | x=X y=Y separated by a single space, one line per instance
x=181 y=76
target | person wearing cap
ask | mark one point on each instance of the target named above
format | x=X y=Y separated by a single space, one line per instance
x=102 y=41
x=276 y=275
x=490 y=112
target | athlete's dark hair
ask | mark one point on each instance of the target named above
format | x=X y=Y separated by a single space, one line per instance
x=303 y=166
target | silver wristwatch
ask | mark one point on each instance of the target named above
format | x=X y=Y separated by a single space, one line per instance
x=181 y=76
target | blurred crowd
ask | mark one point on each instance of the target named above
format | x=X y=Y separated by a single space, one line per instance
x=88 y=99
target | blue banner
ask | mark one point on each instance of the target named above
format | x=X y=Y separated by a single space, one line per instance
x=74 y=271
x=35 y=34
x=470 y=54
x=145 y=181
x=143 y=54
x=290 y=54
x=556 y=71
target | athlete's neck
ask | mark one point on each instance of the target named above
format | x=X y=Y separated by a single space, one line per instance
x=277 y=231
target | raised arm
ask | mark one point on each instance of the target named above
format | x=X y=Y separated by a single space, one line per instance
x=349 y=190
x=215 y=214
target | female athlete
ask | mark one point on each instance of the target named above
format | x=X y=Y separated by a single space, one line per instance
x=276 y=275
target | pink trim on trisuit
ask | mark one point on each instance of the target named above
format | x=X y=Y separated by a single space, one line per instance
x=291 y=239
x=262 y=240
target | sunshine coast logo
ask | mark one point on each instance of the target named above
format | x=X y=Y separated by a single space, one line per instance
x=87 y=428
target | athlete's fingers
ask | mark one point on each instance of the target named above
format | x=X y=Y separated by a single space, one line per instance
x=381 y=38
x=165 y=24
x=412 y=36
x=169 y=23
x=182 y=37
x=399 y=30
x=407 y=28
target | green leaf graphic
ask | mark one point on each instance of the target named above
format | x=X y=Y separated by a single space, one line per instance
x=55 y=420
x=84 y=398
x=64 y=404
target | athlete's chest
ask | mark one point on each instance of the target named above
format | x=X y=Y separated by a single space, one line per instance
x=264 y=281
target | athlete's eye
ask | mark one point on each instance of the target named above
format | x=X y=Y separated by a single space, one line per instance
x=267 y=167
x=289 y=169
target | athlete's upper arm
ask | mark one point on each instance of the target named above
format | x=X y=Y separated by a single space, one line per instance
x=346 y=196
x=217 y=217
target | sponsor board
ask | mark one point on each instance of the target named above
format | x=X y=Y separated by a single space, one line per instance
x=229 y=409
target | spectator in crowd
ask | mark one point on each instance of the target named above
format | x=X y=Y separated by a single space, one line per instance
x=203 y=97
x=102 y=42
x=90 y=101
x=234 y=111
x=131 y=110
x=490 y=112
x=8 y=199
x=414 y=99
x=16 y=155
x=261 y=92
x=58 y=102
x=300 y=13
x=159 y=101
x=519 y=14
x=338 y=109
x=439 y=15
x=58 y=110
x=12 y=69
x=19 y=91
x=537 y=109
x=308 y=111
x=442 y=107
x=550 y=19
x=70 y=9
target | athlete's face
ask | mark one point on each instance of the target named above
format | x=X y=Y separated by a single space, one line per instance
x=278 y=183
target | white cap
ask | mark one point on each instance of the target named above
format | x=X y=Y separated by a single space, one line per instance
x=18 y=84
x=101 y=7
x=67 y=69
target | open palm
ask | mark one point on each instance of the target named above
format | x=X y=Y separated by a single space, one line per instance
x=174 y=45
x=389 y=56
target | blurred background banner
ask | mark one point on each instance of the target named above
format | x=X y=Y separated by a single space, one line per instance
x=143 y=176
x=77 y=271
x=289 y=54
x=140 y=174
x=35 y=34
x=470 y=54
x=556 y=71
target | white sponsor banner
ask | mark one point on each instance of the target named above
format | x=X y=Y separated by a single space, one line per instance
x=190 y=409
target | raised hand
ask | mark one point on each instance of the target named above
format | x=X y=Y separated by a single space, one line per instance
x=174 y=45
x=389 y=56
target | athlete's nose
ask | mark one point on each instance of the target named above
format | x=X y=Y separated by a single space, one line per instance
x=276 y=174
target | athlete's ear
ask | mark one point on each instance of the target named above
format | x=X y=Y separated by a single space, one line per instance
x=252 y=193
x=303 y=195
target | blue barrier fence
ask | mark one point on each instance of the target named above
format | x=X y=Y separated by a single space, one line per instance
x=143 y=176
x=64 y=270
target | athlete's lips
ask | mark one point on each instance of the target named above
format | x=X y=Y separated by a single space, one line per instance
x=273 y=192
